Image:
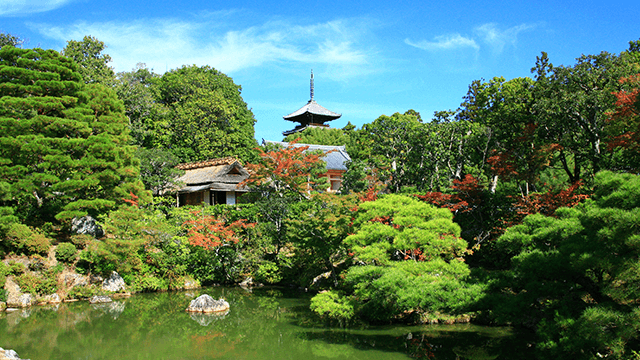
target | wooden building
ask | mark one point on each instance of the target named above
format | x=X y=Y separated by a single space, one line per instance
x=212 y=182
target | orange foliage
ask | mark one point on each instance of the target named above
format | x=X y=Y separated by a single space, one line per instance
x=624 y=122
x=468 y=194
x=290 y=167
x=133 y=201
x=209 y=232
x=544 y=203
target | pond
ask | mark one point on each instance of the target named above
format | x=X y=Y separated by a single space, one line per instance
x=264 y=323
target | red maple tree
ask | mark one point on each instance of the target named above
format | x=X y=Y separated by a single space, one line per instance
x=209 y=232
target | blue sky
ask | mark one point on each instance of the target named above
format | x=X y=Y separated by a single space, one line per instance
x=369 y=58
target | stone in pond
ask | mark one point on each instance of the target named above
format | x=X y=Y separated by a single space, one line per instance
x=206 y=304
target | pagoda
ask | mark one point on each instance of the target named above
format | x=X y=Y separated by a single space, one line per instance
x=310 y=115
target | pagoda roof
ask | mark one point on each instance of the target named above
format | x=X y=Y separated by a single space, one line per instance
x=314 y=111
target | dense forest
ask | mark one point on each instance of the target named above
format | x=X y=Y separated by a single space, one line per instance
x=520 y=207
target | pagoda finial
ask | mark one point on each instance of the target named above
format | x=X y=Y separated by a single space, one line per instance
x=311 y=84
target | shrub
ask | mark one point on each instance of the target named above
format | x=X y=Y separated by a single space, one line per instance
x=37 y=285
x=268 y=272
x=16 y=268
x=66 y=253
x=24 y=240
x=83 y=292
x=4 y=271
x=330 y=305
x=148 y=283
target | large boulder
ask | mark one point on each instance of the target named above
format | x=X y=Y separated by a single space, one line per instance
x=114 y=283
x=86 y=225
x=206 y=304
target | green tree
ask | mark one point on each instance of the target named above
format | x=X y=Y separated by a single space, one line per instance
x=207 y=117
x=10 y=40
x=137 y=90
x=317 y=232
x=320 y=136
x=64 y=145
x=572 y=105
x=577 y=277
x=93 y=64
x=411 y=253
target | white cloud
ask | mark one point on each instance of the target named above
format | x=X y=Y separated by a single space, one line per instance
x=169 y=43
x=22 y=7
x=445 y=42
x=497 y=39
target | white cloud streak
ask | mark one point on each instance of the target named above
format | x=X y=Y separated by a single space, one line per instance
x=24 y=7
x=489 y=34
x=169 y=43
x=445 y=42
x=497 y=39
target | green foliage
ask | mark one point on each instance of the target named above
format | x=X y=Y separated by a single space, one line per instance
x=66 y=252
x=317 y=232
x=23 y=239
x=398 y=227
x=332 y=306
x=268 y=272
x=37 y=284
x=206 y=117
x=7 y=39
x=63 y=145
x=387 y=292
x=576 y=276
x=4 y=272
x=83 y=292
x=16 y=268
x=93 y=64
x=157 y=170
x=320 y=136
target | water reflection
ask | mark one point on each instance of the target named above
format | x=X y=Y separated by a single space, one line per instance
x=113 y=309
x=204 y=319
x=263 y=324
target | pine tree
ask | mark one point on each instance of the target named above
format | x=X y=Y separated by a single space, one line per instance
x=63 y=145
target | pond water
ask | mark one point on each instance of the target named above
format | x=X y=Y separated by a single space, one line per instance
x=262 y=324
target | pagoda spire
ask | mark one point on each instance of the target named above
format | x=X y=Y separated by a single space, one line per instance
x=311 y=84
x=312 y=114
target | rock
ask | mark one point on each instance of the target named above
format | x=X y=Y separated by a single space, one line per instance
x=21 y=300
x=50 y=299
x=8 y=355
x=206 y=304
x=86 y=225
x=114 y=283
x=72 y=280
x=100 y=299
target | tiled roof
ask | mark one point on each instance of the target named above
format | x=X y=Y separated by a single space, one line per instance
x=313 y=108
x=206 y=163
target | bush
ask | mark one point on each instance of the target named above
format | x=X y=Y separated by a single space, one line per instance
x=330 y=305
x=16 y=268
x=268 y=272
x=36 y=285
x=83 y=292
x=4 y=271
x=66 y=253
x=24 y=240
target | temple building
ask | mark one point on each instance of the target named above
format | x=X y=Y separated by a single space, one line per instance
x=310 y=115
x=215 y=181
